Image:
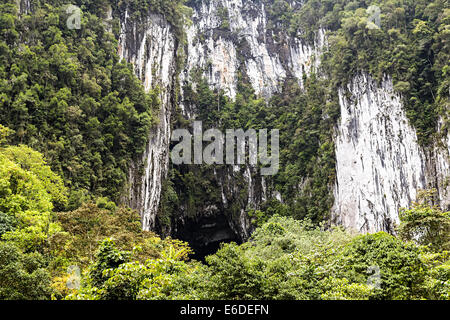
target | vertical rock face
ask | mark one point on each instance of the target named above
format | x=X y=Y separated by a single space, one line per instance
x=229 y=39
x=380 y=166
x=225 y=36
x=438 y=166
x=151 y=47
x=229 y=34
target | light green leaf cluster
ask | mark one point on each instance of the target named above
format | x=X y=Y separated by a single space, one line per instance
x=29 y=192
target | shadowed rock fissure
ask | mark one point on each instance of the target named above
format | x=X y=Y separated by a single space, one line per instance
x=205 y=234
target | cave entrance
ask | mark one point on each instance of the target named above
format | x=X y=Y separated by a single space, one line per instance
x=205 y=235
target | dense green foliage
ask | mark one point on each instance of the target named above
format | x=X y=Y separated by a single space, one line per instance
x=77 y=115
x=115 y=276
x=22 y=276
x=65 y=93
x=38 y=244
x=29 y=190
x=425 y=223
x=284 y=259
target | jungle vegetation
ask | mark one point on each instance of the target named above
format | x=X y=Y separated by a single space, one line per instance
x=73 y=116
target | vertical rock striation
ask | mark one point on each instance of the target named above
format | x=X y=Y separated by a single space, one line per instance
x=231 y=35
x=151 y=47
x=226 y=36
x=380 y=165
x=229 y=39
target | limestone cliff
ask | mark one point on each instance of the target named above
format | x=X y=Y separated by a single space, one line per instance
x=380 y=165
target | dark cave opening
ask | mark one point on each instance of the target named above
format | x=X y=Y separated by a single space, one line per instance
x=205 y=234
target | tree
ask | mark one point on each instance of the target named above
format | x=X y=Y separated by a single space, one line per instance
x=401 y=271
x=107 y=257
x=426 y=224
x=29 y=190
x=117 y=275
x=22 y=276
x=233 y=275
